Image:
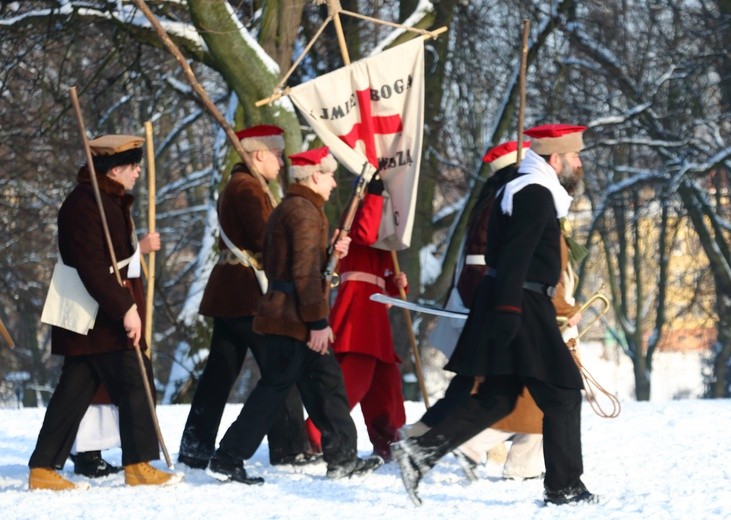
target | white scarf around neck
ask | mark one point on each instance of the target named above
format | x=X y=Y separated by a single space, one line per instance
x=535 y=170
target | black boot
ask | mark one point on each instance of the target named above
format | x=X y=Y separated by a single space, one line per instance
x=353 y=467
x=299 y=459
x=192 y=462
x=410 y=472
x=575 y=493
x=225 y=469
x=92 y=465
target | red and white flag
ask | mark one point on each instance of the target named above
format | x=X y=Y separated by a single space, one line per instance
x=371 y=111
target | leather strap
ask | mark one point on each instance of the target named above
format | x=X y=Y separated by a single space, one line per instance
x=360 y=276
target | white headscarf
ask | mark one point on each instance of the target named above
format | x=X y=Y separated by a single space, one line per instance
x=535 y=170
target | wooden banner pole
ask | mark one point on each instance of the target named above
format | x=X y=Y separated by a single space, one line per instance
x=151 y=195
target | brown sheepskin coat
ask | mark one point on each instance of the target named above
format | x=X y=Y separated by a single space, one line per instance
x=243 y=210
x=295 y=241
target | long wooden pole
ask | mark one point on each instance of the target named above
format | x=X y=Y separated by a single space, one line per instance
x=333 y=11
x=105 y=226
x=151 y=194
x=95 y=183
x=6 y=335
x=412 y=339
x=203 y=95
x=521 y=85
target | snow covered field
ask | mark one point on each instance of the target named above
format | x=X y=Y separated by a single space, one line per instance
x=658 y=460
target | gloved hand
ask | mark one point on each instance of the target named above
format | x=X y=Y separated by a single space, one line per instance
x=376 y=187
x=505 y=328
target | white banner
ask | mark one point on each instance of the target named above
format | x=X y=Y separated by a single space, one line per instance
x=372 y=111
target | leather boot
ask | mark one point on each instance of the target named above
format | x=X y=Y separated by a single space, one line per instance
x=48 y=478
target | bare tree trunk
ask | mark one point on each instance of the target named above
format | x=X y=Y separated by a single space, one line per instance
x=242 y=68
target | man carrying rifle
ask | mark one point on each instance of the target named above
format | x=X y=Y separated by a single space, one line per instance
x=293 y=315
x=106 y=354
x=363 y=343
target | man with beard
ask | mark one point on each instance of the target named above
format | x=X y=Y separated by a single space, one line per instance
x=511 y=340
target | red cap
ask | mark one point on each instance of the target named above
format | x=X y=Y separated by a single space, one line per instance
x=548 y=139
x=505 y=154
x=306 y=163
x=310 y=157
x=261 y=137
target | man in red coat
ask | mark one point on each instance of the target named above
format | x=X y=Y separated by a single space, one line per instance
x=363 y=342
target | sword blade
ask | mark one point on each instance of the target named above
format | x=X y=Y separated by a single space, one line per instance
x=418 y=307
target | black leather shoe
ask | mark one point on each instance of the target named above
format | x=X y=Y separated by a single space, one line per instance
x=410 y=474
x=225 y=471
x=363 y=466
x=300 y=459
x=92 y=465
x=193 y=462
x=353 y=467
x=573 y=494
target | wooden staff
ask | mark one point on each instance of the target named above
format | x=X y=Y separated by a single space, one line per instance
x=203 y=95
x=280 y=90
x=521 y=84
x=105 y=226
x=412 y=339
x=150 y=301
x=95 y=184
x=6 y=335
x=333 y=11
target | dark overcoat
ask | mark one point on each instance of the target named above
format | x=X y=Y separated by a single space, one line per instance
x=82 y=245
x=524 y=246
x=243 y=210
x=294 y=255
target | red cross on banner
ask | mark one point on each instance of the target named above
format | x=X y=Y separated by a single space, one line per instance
x=369 y=126
x=371 y=115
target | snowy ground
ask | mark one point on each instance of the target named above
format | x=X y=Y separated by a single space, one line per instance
x=664 y=459
x=658 y=460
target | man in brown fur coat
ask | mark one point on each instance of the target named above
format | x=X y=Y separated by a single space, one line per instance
x=231 y=298
x=293 y=315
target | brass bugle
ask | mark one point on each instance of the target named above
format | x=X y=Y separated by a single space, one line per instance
x=597 y=297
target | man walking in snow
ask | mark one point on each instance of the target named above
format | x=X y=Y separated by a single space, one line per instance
x=105 y=355
x=511 y=339
x=293 y=315
x=231 y=298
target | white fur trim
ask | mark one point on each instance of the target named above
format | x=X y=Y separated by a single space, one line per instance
x=327 y=164
x=267 y=142
x=506 y=160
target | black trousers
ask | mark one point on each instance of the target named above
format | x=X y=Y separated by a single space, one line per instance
x=457 y=391
x=287 y=362
x=232 y=337
x=496 y=399
x=119 y=371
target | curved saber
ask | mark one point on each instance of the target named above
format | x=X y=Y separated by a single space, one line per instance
x=418 y=307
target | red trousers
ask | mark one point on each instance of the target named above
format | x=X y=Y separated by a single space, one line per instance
x=377 y=387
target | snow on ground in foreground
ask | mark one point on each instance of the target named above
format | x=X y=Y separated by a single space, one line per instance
x=658 y=460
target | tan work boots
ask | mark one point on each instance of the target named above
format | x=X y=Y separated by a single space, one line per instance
x=140 y=474
x=47 y=478
x=143 y=474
